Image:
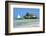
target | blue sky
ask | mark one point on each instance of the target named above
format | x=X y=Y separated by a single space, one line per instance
x=23 y=11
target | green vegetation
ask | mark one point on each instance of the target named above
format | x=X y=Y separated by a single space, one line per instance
x=30 y=16
x=27 y=16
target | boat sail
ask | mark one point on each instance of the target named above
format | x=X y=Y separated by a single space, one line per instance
x=18 y=16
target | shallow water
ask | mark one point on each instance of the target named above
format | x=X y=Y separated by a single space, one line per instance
x=25 y=23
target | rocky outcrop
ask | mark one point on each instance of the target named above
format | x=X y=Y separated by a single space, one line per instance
x=30 y=16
